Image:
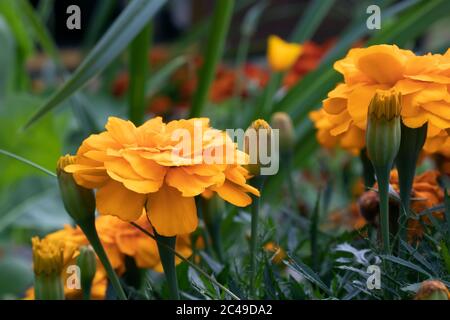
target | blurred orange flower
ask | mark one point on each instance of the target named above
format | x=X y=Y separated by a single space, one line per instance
x=120 y=239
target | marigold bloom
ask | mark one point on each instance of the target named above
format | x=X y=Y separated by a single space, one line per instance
x=48 y=256
x=160 y=168
x=422 y=81
x=282 y=55
x=120 y=240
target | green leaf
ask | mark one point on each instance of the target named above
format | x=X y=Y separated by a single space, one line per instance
x=124 y=29
x=311 y=19
x=7 y=58
x=42 y=143
x=407 y=264
x=138 y=67
x=309 y=274
x=216 y=42
x=16 y=275
x=412 y=23
x=160 y=77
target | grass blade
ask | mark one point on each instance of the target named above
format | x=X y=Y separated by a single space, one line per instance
x=138 y=74
x=216 y=42
x=130 y=22
x=311 y=19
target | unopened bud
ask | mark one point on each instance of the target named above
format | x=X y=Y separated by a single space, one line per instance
x=283 y=122
x=88 y=265
x=432 y=290
x=257 y=144
x=78 y=201
x=48 y=263
x=383 y=127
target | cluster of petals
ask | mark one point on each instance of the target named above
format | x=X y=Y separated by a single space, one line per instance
x=159 y=168
x=423 y=81
x=120 y=240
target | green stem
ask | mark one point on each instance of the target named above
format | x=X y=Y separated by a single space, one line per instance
x=382 y=174
x=216 y=42
x=178 y=255
x=168 y=263
x=138 y=75
x=91 y=234
x=48 y=287
x=254 y=233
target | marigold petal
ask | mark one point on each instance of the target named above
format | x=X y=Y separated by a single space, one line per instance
x=114 y=199
x=170 y=213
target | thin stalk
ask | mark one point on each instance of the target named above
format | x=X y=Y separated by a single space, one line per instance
x=178 y=255
x=168 y=262
x=91 y=234
x=382 y=174
x=216 y=42
x=254 y=234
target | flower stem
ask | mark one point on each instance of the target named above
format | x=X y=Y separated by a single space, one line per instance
x=168 y=262
x=48 y=287
x=254 y=233
x=382 y=174
x=91 y=234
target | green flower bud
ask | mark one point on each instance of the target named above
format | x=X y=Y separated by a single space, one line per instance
x=283 y=122
x=78 y=201
x=87 y=262
x=48 y=263
x=432 y=290
x=257 y=144
x=383 y=127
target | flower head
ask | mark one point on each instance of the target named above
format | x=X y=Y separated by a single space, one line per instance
x=159 y=168
x=422 y=82
x=383 y=128
x=282 y=55
x=48 y=256
x=120 y=240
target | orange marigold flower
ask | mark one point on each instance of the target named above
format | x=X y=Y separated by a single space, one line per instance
x=120 y=239
x=159 y=168
x=423 y=82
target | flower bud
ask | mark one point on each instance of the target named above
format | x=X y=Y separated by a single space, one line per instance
x=282 y=55
x=88 y=265
x=383 y=127
x=432 y=290
x=78 y=201
x=48 y=263
x=283 y=122
x=257 y=144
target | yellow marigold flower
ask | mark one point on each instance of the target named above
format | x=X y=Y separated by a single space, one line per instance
x=423 y=82
x=281 y=55
x=120 y=239
x=48 y=256
x=159 y=168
